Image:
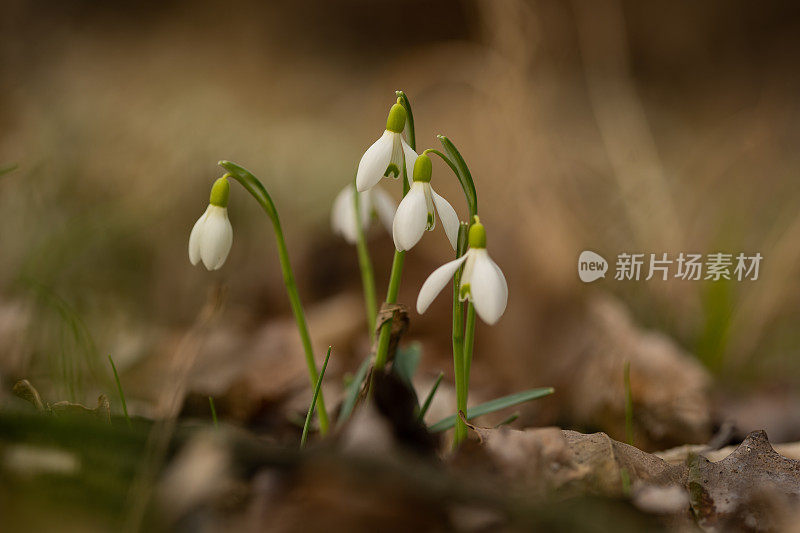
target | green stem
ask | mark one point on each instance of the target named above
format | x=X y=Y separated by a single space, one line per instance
x=458 y=342
x=367 y=275
x=462 y=342
x=382 y=352
x=257 y=190
x=469 y=342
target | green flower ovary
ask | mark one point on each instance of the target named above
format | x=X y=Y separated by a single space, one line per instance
x=422 y=169
x=220 y=192
x=397 y=118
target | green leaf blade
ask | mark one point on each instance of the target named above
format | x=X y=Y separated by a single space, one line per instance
x=492 y=406
x=351 y=396
x=311 y=408
x=429 y=399
x=463 y=174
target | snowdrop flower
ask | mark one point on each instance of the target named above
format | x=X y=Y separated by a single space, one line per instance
x=372 y=202
x=417 y=211
x=387 y=156
x=482 y=282
x=212 y=234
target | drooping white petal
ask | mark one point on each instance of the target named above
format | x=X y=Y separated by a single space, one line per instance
x=384 y=206
x=449 y=218
x=488 y=288
x=343 y=216
x=436 y=282
x=194 y=238
x=216 y=238
x=411 y=218
x=374 y=162
x=411 y=159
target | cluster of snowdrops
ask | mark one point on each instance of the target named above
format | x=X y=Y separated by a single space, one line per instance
x=478 y=283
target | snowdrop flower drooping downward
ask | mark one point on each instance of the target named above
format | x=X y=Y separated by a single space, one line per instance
x=212 y=234
x=375 y=201
x=482 y=282
x=417 y=211
x=387 y=156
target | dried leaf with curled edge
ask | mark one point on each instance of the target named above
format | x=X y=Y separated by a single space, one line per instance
x=25 y=390
x=574 y=463
x=102 y=411
x=753 y=489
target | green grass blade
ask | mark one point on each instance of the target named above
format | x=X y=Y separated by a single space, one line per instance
x=429 y=399
x=351 y=395
x=119 y=388
x=311 y=407
x=626 y=377
x=213 y=411
x=492 y=406
x=463 y=174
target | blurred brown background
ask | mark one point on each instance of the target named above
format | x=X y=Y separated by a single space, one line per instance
x=612 y=126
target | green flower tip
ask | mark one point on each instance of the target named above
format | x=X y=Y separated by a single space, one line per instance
x=397 y=118
x=422 y=169
x=220 y=192
x=477 y=234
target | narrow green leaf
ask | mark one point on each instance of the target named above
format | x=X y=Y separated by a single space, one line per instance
x=492 y=406
x=119 y=388
x=463 y=174
x=351 y=395
x=406 y=362
x=312 y=407
x=213 y=411
x=412 y=140
x=508 y=420
x=429 y=399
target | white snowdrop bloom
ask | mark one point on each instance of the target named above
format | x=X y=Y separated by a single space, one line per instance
x=375 y=201
x=212 y=234
x=418 y=209
x=482 y=281
x=387 y=155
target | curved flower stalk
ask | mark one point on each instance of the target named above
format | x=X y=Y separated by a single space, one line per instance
x=417 y=212
x=482 y=281
x=387 y=156
x=211 y=241
x=374 y=202
x=212 y=234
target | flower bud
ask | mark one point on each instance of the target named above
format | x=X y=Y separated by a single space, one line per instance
x=422 y=169
x=397 y=118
